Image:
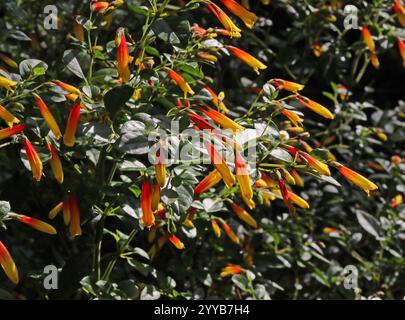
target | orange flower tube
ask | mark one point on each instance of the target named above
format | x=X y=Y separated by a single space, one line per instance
x=248 y=18
x=222 y=119
x=36 y=224
x=7 y=83
x=219 y=164
x=242 y=175
x=292 y=116
x=8 y=117
x=244 y=215
x=230 y=270
x=208 y=182
x=216 y=228
x=298 y=180
x=78 y=29
x=122 y=55
x=286 y=196
x=374 y=60
x=66 y=212
x=200 y=121
x=75 y=229
x=401 y=47
x=160 y=169
x=248 y=59
x=48 y=117
x=319 y=166
x=228 y=24
x=33 y=159
x=99 y=7
x=230 y=233
x=7 y=60
x=288 y=85
x=8 y=132
x=55 y=210
x=67 y=87
x=184 y=86
x=56 y=164
x=368 y=39
x=69 y=137
x=155 y=196
x=357 y=178
x=400 y=12
x=148 y=219
x=298 y=200
x=316 y=107
x=176 y=242
x=8 y=265
x=219 y=104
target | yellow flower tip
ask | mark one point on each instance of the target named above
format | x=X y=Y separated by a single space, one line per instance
x=8 y=265
x=302 y=203
x=216 y=228
x=248 y=59
x=248 y=18
x=357 y=179
x=230 y=270
x=7 y=83
x=288 y=85
x=9 y=118
x=229 y=232
x=55 y=210
x=148 y=218
x=37 y=224
x=177 y=242
x=34 y=160
x=188 y=223
x=316 y=107
x=244 y=215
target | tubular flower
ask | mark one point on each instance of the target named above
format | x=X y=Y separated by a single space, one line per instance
x=36 y=224
x=148 y=219
x=8 y=265
x=248 y=59
x=69 y=137
x=248 y=18
x=316 y=107
x=216 y=228
x=8 y=132
x=208 y=57
x=160 y=169
x=7 y=60
x=230 y=270
x=7 y=83
x=78 y=29
x=298 y=200
x=200 y=122
x=244 y=215
x=298 y=180
x=400 y=12
x=230 y=233
x=220 y=165
x=33 y=159
x=122 y=56
x=208 y=182
x=401 y=47
x=242 y=175
x=55 y=210
x=74 y=92
x=48 y=117
x=374 y=60
x=319 y=166
x=290 y=179
x=56 y=164
x=161 y=211
x=356 y=178
x=288 y=85
x=217 y=102
x=317 y=50
x=8 y=117
x=99 y=7
x=75 y=229
x=286 y=196
x=225 y=20
x=180 y=82
x=176 y=242
x=367 y=38
x=222 y=119
x=397 y=201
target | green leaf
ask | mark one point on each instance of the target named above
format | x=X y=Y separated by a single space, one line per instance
x=32 y=66
x=72 y=63
x=117 y=97
x=368 y=223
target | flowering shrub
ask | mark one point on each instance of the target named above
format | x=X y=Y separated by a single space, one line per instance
x=169 y=136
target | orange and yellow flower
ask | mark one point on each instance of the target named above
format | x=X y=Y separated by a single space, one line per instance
x=244 y=215
x=292 y=116
x=48 y=117
x=316 y=107
x=66 y=212
x=200 y=122
x=401 y=47
x=8 y=117
x=229 y=232
x=248 y=18
x=33 y=159
x=248 y=59
x=220 y=165
x=298 y=180
x=69 y=137
x=222 y=119
x=230 y=270
x=286 y=196
x=55 y=210
x=317 y=49
x=155 y=196
x=100 y=6
x=397 y=201
x=217 y=102
x=160 y=169
x=184 y=86
x=176 y=242
x=400 y=12
x=374 y=60
x=8 y=61
x=245 y=184
x=35 y=224
x=356 y=178
x=216 y=228
x=208 y=182
x=78 y=29
x=56 y=164
x=122 y=56
x=368 y=39
x=74 y=92
x=7 y=83
x=8 y=265
x=288 y=85
x=75 y=228
x=148 y=218
x=225 y=20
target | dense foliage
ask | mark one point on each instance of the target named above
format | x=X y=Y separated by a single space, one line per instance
x=202 y=149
